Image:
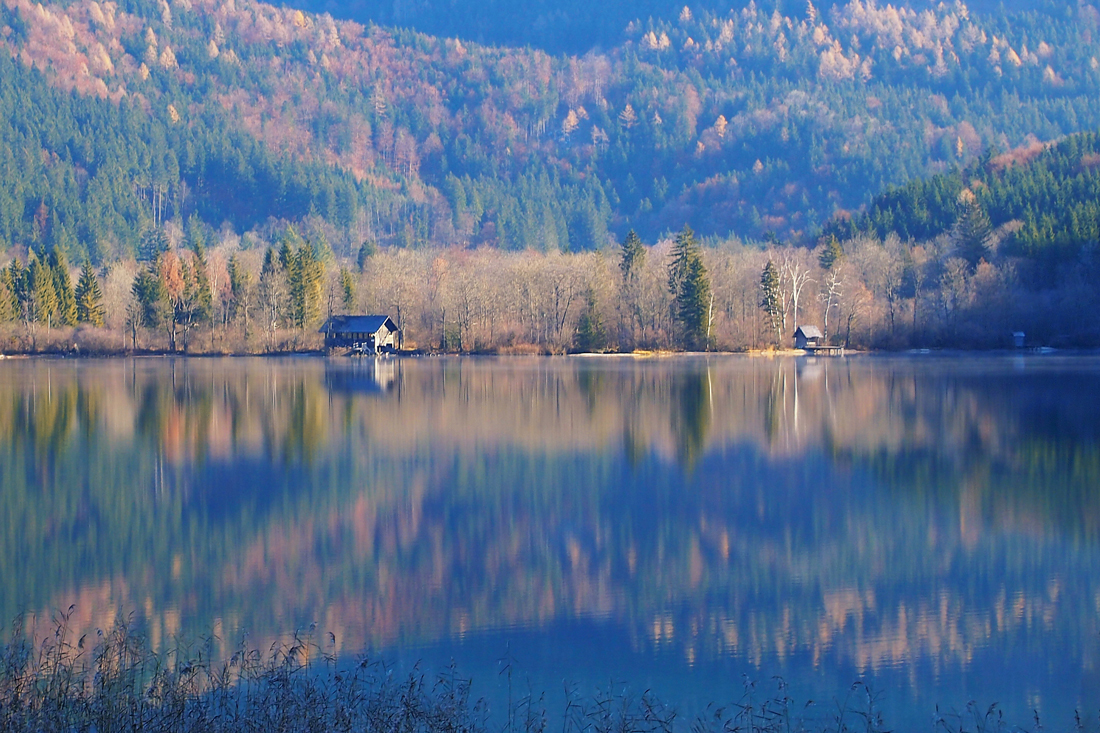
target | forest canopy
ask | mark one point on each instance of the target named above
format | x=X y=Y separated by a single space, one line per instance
x=754 y=122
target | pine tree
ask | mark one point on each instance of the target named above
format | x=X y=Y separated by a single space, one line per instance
x=154 y=242
x=831 y=253
x=151 y=296
x=973 y=232
x=8 y=302
x=7 y=297
x=770 y=301
x=690 y=287
x=632 y=257
x=347 y=286
x=695 y=304
x=89 y=297
x=63 y=287
x=43 y=296
x=368 y=250
x=305 y=279
x=203 y=296
x=17 y=281
x=591 y=335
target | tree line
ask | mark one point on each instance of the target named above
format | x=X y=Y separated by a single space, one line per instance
x=210 y=292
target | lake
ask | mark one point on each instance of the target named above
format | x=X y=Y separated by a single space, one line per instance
x=927 y=524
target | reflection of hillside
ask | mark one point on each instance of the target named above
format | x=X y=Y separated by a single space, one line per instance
x=763 y=508
x=191 y=410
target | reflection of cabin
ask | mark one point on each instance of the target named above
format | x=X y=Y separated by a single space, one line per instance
x=361 y=377
x=808 y=337
x=362 y=334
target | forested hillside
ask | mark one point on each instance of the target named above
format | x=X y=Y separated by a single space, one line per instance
x=1043 y=200
x=752 y=122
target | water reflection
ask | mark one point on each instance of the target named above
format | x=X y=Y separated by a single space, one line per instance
x=938 y=519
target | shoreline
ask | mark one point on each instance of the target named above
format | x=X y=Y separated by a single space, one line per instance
x=637 y=355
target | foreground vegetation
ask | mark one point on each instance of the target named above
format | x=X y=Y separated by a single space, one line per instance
x=116 y=683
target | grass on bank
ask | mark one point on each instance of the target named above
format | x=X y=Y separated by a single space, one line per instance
x=115 y=682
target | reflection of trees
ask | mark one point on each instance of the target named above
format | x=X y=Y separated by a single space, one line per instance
x=691 y=416
x=484 y=493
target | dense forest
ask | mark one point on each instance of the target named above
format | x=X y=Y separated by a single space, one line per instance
x=242 y=171
x=1044 y=201
x=749 y=123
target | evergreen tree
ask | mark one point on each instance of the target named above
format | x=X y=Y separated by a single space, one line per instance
x=368 y=250
x=831 y=253
x=347 y=286
x=89 y=297
x=203 y=296
x=17 y=282
x=305 y=279
x=63 y=287
x=770 y=300
x=632 y=257
x=8 y=301
x=43 y=295
x=690 y=287
x=973 y=232
x=151 y=296
x=591 y=335
x=154 y=243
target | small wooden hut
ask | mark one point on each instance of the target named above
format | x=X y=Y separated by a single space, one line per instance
x=808 y=337
x=361 y=334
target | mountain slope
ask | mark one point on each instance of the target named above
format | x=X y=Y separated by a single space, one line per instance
x=743 y=123
x=1048 y=197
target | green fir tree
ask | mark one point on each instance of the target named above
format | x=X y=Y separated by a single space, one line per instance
x=63 y=287
x=89 y=297
x=347 y=288
x=690 y=288
x=632 y=257
x=591 y=335
x=43 y=295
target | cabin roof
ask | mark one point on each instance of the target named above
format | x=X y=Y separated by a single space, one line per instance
x=810 y=332
x=358 y=324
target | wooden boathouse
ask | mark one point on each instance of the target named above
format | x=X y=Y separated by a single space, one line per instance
x=362 y=334
x=810 y=339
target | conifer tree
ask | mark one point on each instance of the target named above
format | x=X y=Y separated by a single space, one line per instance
x=63 y=287
x=203 y=300
x=591 y=335
x=690 y=287
x=973 y=232
x=368 y=250
x=17 y=281
x=632 y=257
x=831 y=253
x=43 y=295
x=305 y=279
x=89 y=297
x=8 y=301
x=347 y=286
x=151 y=296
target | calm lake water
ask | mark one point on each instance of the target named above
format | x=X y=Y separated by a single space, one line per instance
x=930 y=525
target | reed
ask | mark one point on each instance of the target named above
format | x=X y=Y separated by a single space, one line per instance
x=115 y=682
